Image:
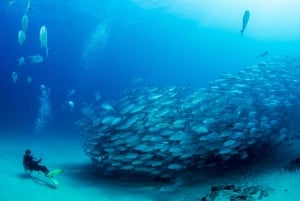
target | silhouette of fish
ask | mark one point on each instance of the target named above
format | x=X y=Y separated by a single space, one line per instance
x=245 y=21
x=263 y=54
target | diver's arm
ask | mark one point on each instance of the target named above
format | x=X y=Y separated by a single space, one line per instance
x=38 y=161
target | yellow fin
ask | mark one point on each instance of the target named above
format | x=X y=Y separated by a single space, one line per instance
x=54 y=181
x=55 y=172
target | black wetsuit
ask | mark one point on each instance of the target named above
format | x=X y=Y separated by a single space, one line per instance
x=30 y=163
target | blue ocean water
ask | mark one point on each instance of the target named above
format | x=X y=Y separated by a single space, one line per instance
x=153 y=43
x=98 y=49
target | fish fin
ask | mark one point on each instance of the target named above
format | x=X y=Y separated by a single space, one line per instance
x=47 y=52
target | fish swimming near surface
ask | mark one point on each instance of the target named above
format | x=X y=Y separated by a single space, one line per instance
x=263 y=54
x=245 y=21
x=44 y=39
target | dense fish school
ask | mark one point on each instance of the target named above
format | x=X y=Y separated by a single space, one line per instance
x=166 y=131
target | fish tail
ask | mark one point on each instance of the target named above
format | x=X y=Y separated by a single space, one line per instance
x=242 y=33
x=47 y=52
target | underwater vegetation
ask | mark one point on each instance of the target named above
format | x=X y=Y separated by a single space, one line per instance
x=163 y=131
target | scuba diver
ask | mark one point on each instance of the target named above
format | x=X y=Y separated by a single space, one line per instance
x=30 y=163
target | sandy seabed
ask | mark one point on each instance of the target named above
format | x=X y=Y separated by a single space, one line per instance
x=79 y=183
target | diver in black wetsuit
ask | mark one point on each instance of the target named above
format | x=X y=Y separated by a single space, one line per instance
x=30 y=163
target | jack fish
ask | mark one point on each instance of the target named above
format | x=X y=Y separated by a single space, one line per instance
x=245 y=21
x=24 y=22
x=21 y=37
x=21 y=61
x=14 y=77
x=28 y=7
x=35 y=59
x=10 y=3
x=44 y=39
x=263 y=54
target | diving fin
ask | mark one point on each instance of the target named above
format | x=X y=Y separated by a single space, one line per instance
x=54 y=181
x=51 y=175
x=54 y=172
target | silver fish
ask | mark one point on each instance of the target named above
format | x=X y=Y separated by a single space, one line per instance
x=245 y=21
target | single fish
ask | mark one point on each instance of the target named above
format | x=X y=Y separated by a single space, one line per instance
x=97 y=95
x=265 y=53
x=29 y=79
x=21 y=37
x=35 y=59
x=245 y=21
x=71 y=104
x=71 y=92
x=24 y=23
x=107 y=107
x=21 y=61
x=28 y=7
x=44 y=39
x=14 y=77
x=10 y=3
x=137 y=80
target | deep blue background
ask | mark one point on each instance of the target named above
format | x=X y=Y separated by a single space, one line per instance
x=163 y=48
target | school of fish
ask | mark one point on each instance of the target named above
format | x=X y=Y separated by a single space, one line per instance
x=164 y=131
x=22 y=35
